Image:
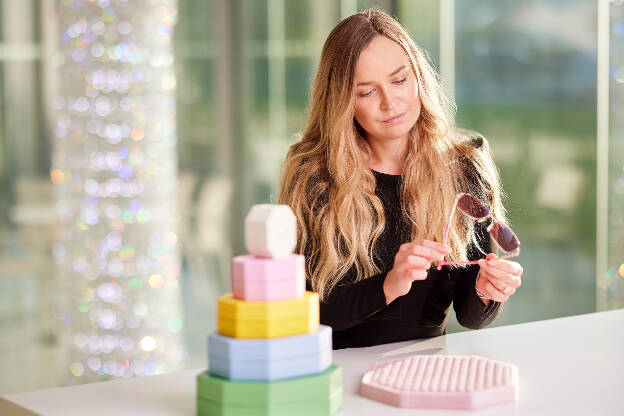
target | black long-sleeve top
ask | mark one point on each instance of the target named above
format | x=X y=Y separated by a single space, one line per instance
x=357 y=312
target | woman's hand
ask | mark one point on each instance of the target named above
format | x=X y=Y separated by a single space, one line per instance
x=411 y=263
x=498 y=278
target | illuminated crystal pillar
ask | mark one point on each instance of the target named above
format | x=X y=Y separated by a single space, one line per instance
x=114 y=166
x=615 y=271
x=610 y=132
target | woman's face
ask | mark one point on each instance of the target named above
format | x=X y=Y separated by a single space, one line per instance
x=387 y=104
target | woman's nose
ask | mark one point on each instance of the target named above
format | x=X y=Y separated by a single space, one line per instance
x=387 y=100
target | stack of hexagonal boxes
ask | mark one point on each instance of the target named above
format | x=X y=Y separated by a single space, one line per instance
x=270 y=355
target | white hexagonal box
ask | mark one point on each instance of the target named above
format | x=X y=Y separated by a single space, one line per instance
x=270 y=231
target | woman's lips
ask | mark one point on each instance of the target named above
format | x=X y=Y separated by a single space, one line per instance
x=395 y=119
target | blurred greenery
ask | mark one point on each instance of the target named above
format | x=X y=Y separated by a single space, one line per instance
x=515 y=126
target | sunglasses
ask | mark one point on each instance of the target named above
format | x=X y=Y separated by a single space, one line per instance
x=501 y=234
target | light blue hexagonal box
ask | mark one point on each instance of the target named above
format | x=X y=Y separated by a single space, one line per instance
x=270 y=359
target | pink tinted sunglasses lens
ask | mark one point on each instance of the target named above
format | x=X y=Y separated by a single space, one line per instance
x=472 y=207
x=504 y=237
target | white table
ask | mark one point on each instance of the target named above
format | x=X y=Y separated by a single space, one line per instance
x=567 y=366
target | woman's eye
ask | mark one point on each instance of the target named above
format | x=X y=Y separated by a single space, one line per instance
x=370 y=92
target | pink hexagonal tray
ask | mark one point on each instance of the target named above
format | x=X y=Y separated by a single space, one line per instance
x=444 y=382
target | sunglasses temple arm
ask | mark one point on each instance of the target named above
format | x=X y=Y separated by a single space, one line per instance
x=440 y=264
x=445 y=263
x=448 y=224
x=446 y=230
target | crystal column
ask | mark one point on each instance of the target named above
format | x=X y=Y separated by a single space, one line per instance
x=114 y=170
x=615 y=250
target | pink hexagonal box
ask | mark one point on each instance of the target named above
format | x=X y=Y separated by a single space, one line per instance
x=445 y=382
x=267 y=279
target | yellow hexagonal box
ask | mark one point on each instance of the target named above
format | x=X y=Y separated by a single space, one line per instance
x=253 y=319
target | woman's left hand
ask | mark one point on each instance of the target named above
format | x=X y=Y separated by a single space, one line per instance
x=498 y=278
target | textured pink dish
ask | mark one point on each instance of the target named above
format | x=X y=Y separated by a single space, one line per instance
x=444 y=382
x=267 y=279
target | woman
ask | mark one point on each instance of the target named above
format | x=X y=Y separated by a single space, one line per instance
x=373 y=181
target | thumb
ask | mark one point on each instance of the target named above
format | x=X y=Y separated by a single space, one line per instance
x=490 y=256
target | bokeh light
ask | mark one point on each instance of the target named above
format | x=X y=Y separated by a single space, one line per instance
x=114 y=167
x=148 y=343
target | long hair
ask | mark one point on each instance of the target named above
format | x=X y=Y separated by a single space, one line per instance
x=326 y=179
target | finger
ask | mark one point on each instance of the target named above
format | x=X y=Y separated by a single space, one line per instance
x=437 y=247
x=417 y=262
x=418 y=274
x=508 y=266
x=442 y=248
x=497 y=283
x=500 y=285
x=405 y=263
x=426 y=252
x=492 y=292
x=499 y=274
x=507 y=278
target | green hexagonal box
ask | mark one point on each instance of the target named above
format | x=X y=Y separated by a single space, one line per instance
x=316 y=395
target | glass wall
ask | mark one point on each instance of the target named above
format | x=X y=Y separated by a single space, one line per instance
x=27 y=214
x=523 y=74
x=611 y=155
x=525 y=77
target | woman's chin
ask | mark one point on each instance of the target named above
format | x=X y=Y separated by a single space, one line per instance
x=394 y=133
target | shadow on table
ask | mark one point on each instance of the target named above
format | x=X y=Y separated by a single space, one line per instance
x=430 y=346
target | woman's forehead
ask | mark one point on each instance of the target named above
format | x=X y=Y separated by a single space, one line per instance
x=380 y=59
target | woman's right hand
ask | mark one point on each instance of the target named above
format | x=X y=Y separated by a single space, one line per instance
x=411 y=262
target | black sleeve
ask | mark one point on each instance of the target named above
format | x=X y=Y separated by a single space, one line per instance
x=470 y=311
x=352 y=303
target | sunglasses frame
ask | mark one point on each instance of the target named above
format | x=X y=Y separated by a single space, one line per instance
x=508 y=254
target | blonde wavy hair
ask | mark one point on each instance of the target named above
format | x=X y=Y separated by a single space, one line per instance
x=326 y=179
